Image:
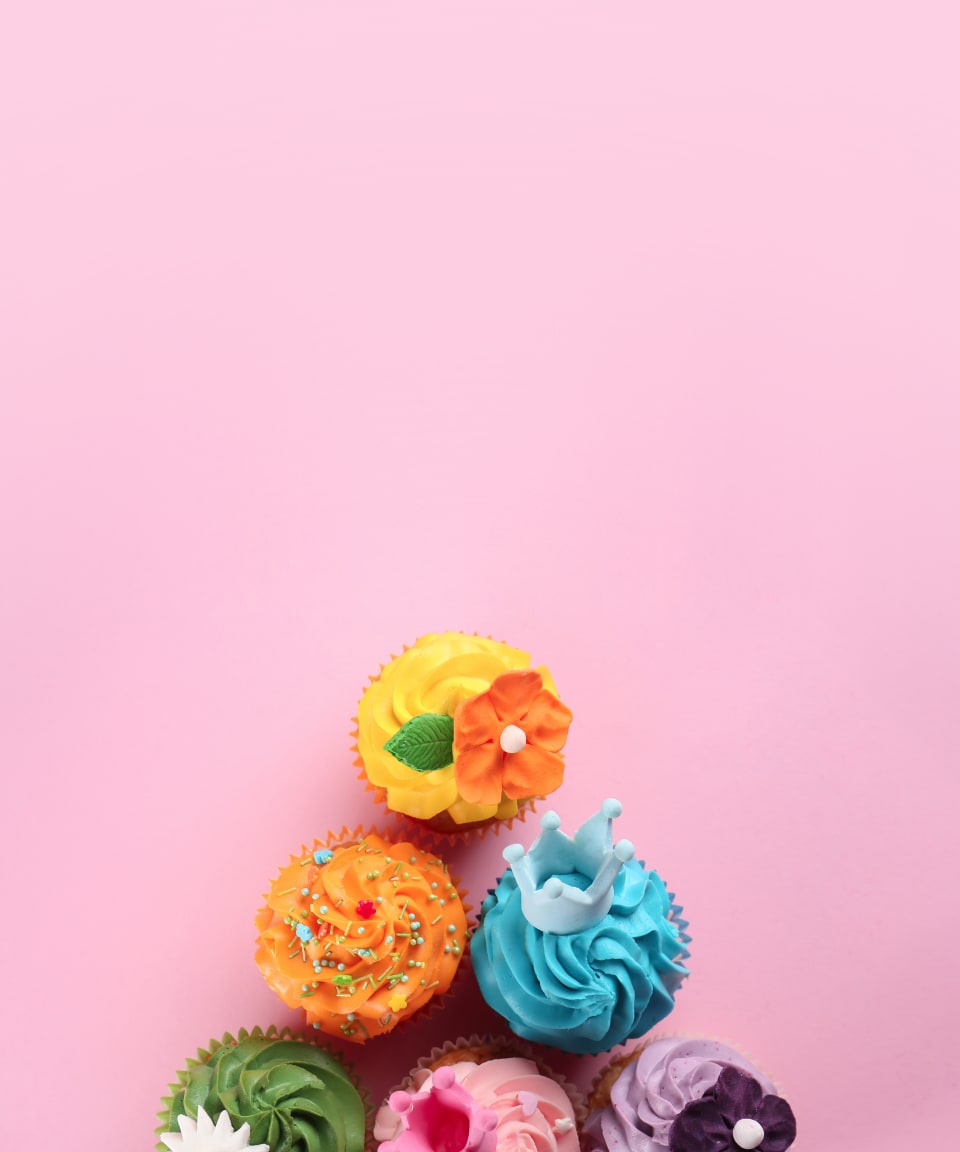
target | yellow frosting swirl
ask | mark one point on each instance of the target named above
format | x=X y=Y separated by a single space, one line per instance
x=435 y=675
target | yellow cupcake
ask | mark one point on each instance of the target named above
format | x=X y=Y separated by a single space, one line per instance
x=460 y=730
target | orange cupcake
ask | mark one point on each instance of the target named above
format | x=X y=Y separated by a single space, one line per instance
x=361 y=933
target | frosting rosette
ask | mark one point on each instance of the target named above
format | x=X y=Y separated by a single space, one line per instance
x=361 y=935
x=278 y=1091
x=533 y=1113
x=459 y=730
x=655 y=1087
x=591 y=989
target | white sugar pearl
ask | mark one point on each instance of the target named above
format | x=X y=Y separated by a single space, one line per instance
x=512 y=738
x=747 y=1134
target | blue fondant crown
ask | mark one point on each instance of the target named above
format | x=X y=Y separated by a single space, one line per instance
x=552 y=905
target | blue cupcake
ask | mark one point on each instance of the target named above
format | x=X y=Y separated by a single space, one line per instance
x=580 y=947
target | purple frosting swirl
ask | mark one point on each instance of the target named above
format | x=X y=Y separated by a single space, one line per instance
x=654 y=1089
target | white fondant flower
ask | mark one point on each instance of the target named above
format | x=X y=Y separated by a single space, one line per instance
x=202 y=1135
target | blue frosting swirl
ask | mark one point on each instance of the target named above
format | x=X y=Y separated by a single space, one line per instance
x=586 y=992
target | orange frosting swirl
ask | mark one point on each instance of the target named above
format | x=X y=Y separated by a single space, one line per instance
x=362 y=936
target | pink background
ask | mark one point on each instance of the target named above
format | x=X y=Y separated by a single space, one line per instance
x=627 y=336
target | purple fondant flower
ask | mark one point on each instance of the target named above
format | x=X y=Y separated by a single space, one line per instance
x=733 y=1115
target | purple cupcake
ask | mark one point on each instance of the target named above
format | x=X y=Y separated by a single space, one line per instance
x=687 y=1095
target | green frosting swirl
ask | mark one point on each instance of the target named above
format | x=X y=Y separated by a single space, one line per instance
x=294 y=1096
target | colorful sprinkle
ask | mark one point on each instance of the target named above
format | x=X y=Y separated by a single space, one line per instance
x=366 y=909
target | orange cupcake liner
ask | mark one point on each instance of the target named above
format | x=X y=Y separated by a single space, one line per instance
x=440 y=838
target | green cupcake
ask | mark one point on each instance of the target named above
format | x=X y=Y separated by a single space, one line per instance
x=294 y=1095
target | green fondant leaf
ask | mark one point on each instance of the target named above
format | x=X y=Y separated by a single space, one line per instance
x=424 y=743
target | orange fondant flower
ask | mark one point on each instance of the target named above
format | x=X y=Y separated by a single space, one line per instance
x=507 y=740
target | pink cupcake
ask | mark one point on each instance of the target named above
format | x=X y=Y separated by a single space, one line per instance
x=481 y=1095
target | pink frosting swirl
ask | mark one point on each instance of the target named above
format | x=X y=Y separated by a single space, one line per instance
x=654 y=1089
x=534 y=1114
